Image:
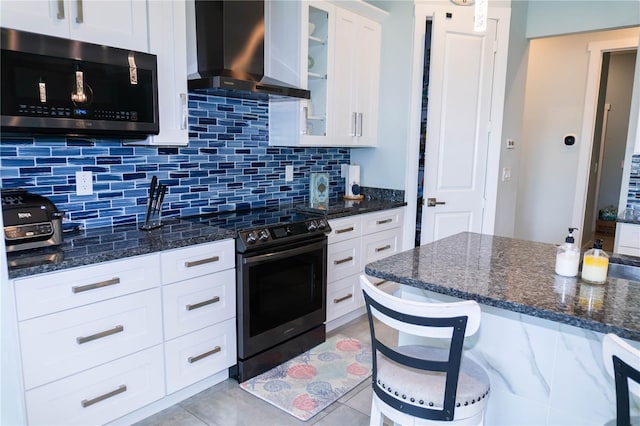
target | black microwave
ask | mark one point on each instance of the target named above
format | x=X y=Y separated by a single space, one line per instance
x=67 y=87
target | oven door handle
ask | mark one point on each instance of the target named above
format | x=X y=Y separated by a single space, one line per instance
x=274 y=255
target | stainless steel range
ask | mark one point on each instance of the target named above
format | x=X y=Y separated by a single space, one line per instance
x=281 y=267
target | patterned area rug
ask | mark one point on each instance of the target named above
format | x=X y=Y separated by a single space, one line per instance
x=311 y=381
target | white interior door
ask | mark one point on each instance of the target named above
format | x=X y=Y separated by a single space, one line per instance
x=458 y=124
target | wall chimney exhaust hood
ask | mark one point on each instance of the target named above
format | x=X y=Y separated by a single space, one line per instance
x=225 y=51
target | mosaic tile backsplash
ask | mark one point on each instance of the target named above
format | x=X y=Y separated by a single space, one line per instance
x=228 y=165
x=633 y=199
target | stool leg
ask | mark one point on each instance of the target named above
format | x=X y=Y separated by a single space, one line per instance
x=376 y=416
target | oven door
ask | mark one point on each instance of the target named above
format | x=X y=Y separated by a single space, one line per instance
x=281 y=294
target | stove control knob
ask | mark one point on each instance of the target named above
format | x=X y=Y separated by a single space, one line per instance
x=264 y=235
x=311 y=226
x=251 y=237
x=322 y=224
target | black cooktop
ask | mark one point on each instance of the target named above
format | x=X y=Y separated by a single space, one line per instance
x=268 y=227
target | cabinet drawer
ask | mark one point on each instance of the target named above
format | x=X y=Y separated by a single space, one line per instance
x=52 y=292
x=198 y=302
x=343 y=259
x=380 y=221
x=200 y=354
x=380 y=245
x=67 y=342
x=185 y=263
x=101 y=394
x=343 y=296
x=344 y=229
x=629 y=235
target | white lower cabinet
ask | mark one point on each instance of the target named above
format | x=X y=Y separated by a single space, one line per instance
x=354 y=242
x=627 y=239
x=101 y=394
x=199 y=312
x=60 y=344
x=195 y=356
x=91 y=338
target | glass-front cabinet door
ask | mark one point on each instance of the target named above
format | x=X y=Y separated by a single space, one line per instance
x=318 y=62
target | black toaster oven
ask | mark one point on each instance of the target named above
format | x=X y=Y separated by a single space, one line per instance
x=30 y=220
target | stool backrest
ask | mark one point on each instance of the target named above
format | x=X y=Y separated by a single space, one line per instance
x=622 y=361
x=450 y=322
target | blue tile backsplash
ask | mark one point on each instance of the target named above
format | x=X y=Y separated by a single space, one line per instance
x=228 y=165
x=633 y=199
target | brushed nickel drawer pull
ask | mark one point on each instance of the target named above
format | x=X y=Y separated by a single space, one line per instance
x=80 y=289
x=60 y=14
x=343 y=230
x=87 y=402
x=201 y=261
x=346 y=259
x=382 y=222
x=343 y=298
x=380 y=283
x=203 y=303
x=80 y=16
x=114 y=330
x=387 y=247
x=196 y=358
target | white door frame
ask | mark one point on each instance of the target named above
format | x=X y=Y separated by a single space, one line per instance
x=585 y=140
x=421 y=13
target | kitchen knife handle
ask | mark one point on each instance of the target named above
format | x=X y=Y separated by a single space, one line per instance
x=60 y=14
x=80 y=16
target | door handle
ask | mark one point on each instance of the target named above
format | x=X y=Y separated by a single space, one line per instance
x=431 y=202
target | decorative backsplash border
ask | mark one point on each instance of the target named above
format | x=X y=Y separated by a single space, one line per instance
x=228 y=165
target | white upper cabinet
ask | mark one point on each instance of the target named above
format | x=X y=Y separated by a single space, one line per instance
x=168 y=40
x=357 y=79
x=114 y=23
x=336 y=57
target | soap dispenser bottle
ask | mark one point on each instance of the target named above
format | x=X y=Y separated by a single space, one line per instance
x=568 y=257
x=595 y=264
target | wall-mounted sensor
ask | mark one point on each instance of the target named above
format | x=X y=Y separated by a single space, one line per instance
x=569 y=139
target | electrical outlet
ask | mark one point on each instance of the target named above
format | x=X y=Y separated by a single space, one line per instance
x=84 y=183
x=511 y=143
x=288 y=173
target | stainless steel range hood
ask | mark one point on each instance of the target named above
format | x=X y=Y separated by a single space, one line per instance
x=225 y=51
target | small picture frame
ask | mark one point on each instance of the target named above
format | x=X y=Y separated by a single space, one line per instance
x=319 y=190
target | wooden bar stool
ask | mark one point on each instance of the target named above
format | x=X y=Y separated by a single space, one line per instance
x=425 y=384
x=622 y=361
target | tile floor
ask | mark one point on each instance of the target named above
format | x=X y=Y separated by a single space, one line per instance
x=225 y=404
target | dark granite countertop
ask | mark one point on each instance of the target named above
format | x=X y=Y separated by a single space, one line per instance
x=341 y=208
x=111 y=243
x=515 y=275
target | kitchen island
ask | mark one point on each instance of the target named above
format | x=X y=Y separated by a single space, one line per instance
x=540 y=335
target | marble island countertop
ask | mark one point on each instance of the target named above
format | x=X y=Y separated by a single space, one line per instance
x=515 y=275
